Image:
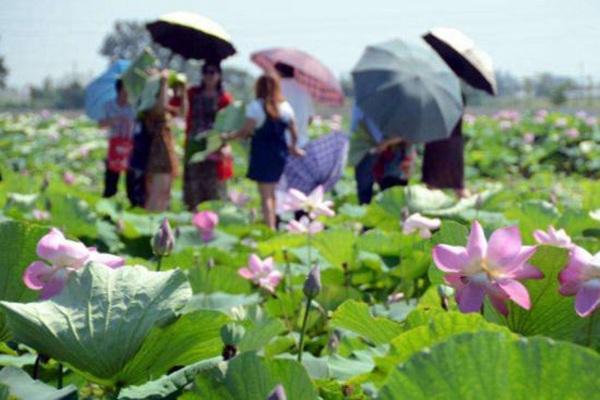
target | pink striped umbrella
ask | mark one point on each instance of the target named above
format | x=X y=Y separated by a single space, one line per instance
x=309 y=72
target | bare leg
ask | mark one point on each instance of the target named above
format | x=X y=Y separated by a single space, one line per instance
x=159 y=192
x=267 y=198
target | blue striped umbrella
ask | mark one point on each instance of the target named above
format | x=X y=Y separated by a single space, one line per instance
x=102 y=89
x=323 y=164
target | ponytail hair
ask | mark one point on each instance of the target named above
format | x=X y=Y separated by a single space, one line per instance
x=268 y=90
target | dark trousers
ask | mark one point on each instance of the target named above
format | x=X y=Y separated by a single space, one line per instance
x=111 y=182
x=363 y=174
x=135 y=181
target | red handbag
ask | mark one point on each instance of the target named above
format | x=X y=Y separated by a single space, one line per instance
x=119 y=150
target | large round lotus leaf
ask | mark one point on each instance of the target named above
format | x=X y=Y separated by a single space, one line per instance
x=101 y=319
x=491 y=366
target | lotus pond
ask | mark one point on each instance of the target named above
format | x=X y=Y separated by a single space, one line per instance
x=418 y=295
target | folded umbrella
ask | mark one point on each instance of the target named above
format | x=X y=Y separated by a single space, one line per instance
x=407 y=91
x=102 y=90
x=470 y=63
x=309 y=72
x=323 y=164
x=191 y=36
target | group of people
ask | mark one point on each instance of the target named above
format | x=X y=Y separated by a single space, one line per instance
x=143 y=146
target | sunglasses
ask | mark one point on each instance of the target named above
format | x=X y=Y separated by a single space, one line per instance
x=210 y=72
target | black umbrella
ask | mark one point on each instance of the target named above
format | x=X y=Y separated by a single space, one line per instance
x=192 y=36
x=466 y=60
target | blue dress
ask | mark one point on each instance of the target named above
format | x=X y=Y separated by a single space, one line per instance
x=268 y=151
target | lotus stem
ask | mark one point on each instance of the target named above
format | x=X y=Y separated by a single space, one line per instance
x=36 y=366
x=159 y=263
x=590 y=330
x=303 y=331
x=59 y=380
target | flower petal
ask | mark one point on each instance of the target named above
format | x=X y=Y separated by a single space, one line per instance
x=477 y=243
x=504 y=244
x=450 y=258
x=36 y=275
x=516 y=292
x=107 y=259
x=246 y=273
x=48 y=245
x=255 y=264
x=499 y=304
x=575 y=269
x=588 y=298
x=470 y=297
x=55 y=284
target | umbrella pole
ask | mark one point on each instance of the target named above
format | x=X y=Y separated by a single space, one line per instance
x=168 y=62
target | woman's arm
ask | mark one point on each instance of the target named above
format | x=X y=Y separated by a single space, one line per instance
x=162 y=101
x=294 y=149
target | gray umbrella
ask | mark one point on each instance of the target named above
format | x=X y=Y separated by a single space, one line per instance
x=408 y=91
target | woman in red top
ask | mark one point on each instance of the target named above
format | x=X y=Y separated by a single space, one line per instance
x=201 y=181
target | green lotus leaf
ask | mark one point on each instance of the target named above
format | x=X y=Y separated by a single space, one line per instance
x=18 y=242
x=19 y=385
x=101 y=319
x=489 y=365
x=250 y=377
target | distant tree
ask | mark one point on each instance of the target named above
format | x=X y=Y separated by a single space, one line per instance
x=551 y=86
x=508 y=84
x=3 y=73
x=239 y=82
x=68 y=94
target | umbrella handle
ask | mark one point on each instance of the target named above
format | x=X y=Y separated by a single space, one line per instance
x=168 y=62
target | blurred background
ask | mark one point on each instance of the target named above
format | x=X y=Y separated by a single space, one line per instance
x=544 y=52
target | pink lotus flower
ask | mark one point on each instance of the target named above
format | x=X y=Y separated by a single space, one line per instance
x=314 y=204
x=572 y=133
x=64 y=257
x=240 y=199
x=493 y=268
x=529 y=138
x=206 y=222
x=421 y=224
x=581 y=278
x=261 y=272
x=305 y=225
x=553 y=237
x=69 y=178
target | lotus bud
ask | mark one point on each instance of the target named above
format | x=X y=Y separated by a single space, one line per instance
x=278 y=393
x=163 y=240
x=312 y=284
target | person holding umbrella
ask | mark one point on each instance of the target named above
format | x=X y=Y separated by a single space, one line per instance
x=443 y=160
x=200 y=179
x=388 y=162
x=268 y=118
x=410 y=95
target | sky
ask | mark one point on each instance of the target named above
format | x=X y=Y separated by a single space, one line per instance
x=56 y=37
